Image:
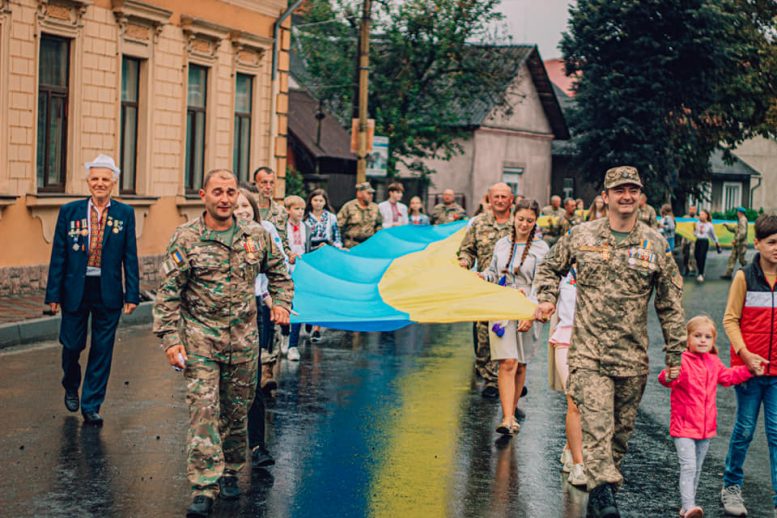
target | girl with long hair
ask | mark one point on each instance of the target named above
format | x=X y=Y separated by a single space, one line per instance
x=694 y=384
x=704 y=231
x=513 y=265
x=416 y=214
x=320 y=216
x=597 y=210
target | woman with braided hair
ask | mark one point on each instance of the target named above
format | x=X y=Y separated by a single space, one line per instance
x=513 y=265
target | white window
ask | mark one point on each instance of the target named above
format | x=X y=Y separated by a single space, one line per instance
x=732 y=195
x=511 y=175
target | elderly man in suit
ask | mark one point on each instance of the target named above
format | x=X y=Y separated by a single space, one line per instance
x=94 y=242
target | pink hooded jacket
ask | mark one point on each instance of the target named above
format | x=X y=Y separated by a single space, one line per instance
x=694 y=410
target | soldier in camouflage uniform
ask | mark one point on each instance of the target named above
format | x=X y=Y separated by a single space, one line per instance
x=360 y=218
x=205 y=316
x=476 y=249
x=448 y=210
x=555 y=213
x=570 y=218
x=739 y=244
x=269 y=209
x=620 y=261
x=645 y=213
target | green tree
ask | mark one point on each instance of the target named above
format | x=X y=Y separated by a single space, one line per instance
x=663 y=83
x=427 y=77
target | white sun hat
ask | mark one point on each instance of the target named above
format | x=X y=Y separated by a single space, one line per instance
x=103 y=161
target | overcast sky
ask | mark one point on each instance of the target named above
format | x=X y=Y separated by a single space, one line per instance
x=537 y=21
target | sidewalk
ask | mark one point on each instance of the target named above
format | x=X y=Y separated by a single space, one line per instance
x=25 y=319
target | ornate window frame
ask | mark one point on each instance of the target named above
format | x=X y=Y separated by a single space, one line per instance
x=250 y=56
x=140 y=26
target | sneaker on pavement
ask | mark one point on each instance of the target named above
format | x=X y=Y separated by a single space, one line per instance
x=566 y=460
x=700 y=278
x=577 y=475
x=293 y=354
x=316 y=336
x=283 y=342
x=733 y=503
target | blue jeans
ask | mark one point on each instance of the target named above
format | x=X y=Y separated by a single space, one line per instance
x=750 y=395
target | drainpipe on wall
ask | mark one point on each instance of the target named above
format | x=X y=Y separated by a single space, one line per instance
x=274 y=77
x=752 y=189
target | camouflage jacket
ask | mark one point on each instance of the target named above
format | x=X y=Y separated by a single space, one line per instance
x=480 y=239
x=358 y=224
x=566 y=223
x=206 y=300
x=442 y=213
x=647 y=215
x=740 y=231
x=614 y=284
x=278 y=216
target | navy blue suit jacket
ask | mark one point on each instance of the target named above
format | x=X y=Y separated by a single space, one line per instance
x=70 y=251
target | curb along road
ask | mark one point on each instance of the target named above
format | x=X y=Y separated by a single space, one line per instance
x=47 y=328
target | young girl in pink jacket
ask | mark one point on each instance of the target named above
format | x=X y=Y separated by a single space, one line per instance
x=694 y=386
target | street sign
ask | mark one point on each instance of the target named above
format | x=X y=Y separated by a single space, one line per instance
x=377 y=160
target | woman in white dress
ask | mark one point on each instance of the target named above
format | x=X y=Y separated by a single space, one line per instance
x=513 y=265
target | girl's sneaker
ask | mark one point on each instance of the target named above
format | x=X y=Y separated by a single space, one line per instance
x=316 y=336
x=293 y=354
x=577 y=475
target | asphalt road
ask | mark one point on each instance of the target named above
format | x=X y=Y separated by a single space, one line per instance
x=384 y=424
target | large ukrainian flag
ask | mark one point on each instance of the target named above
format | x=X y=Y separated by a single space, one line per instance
x=397 y=277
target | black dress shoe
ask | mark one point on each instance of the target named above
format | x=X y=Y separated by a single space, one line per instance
x=261 y=458
x=92 y=419
x=201 y=506
x=490 y=392
x=228 y=489
x=601 y=502
x=71 y=401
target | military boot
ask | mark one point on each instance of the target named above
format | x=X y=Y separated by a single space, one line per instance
x=601 y=502
x=200 y=507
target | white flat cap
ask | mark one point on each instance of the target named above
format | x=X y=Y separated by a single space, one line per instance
x=103 y=161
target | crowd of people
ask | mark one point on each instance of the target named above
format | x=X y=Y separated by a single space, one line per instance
x=222 y=314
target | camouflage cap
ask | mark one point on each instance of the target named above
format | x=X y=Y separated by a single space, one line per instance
x=364 y=186
x=622 y=175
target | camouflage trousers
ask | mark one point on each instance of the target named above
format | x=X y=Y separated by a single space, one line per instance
x=218 y=395
x=608 y=409
x=737 y=252
x=486 y=368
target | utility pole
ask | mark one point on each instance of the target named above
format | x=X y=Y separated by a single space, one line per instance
x=364 y=72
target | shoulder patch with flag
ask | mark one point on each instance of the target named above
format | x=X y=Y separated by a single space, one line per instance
x=174 y=261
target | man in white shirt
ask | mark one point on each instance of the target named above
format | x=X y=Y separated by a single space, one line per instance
x=394 y=212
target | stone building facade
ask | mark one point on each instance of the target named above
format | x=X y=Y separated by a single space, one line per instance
x=169 y=89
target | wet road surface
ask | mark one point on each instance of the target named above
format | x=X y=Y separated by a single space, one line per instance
x=384 y=424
